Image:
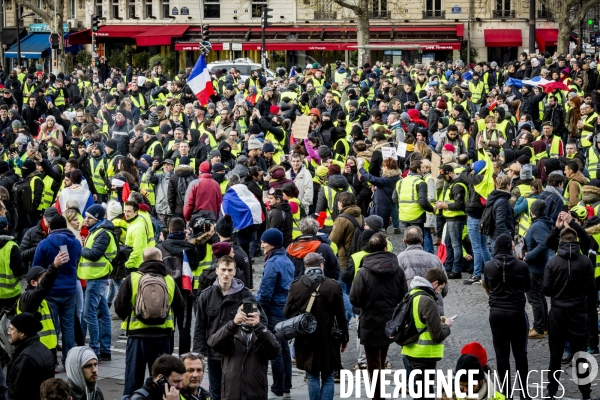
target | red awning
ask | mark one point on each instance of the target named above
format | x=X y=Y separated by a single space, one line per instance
x=503 y=37
x=546 y=37
x=81 y=37
x=161 y=36
x=123 y=31
x=339 y=46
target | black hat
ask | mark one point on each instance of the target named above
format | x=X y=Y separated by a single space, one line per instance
x=27 y=323
x=469 y=362
x=27 y=168
x=58 y=222
x=446 y=169
x=112 y=143
x=33 y=273
x=225 y=226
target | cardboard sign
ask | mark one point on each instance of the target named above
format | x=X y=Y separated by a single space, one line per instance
x=436 y=162
x=401 y=150
x=301 y=127
x=388 y=152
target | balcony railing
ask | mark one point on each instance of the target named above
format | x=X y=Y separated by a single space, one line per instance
x=544 y=14
x=434 y=14
x=376 y=14
x=504 y=14
x=325 y=15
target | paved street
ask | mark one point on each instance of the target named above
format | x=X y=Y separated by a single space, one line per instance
x=468 y=302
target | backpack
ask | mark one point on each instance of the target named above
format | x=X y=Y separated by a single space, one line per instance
x=182 y=184
x=173 y=263
x=401 y=328
x=487 y=225
x=152 y=301
x=157 y=227
x=355 y=246
x=23 y=196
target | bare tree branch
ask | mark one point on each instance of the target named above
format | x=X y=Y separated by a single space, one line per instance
x=345 y=4
x=584 y=9
x=38 y=11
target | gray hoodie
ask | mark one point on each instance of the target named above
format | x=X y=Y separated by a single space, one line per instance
x=236 y=286
x=80 y=389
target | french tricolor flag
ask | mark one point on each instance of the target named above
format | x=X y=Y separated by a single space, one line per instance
x=186 y=274
x=200 y=82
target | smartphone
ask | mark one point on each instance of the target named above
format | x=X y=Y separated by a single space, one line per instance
x=48 y=99
x=248 y=307
x=161 y=383
x=64 y=249
x=206 y=225
x=453 y=318
x=565 y=208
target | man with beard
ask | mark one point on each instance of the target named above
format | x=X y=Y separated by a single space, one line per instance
x=264 y=104
x=226 y=125
x=82 y=374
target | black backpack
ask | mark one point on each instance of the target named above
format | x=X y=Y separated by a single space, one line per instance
x=487 y=225
x=183 y=182
x=401 y=328
x=174 y=264
x=23 y=196
x=355 y=246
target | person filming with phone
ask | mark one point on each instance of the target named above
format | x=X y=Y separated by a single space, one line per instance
x=166 y=380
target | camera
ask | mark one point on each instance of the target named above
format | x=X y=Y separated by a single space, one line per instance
x=206 y=224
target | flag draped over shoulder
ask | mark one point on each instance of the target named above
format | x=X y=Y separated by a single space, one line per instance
x=486 y=186
x=244 y=208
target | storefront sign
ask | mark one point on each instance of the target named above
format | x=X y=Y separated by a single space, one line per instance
x=438 y=47
x=42 y=28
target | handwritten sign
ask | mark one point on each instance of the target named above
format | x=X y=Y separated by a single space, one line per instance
x=301 y=127
x=401 y=150
x=436 y=162
x=388 y=152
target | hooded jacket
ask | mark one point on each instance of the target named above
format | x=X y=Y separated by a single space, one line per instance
x=175 y=197
x=339 y=184
x=569 y=279
x=503 y=213
x=124 y=299
x=214 y=310
x=574 y=188
x=383 y=197
x=305 y=244
x=80 y=389
x=205 y=195
x=161 y=190
x=507 y=279
x=278 y=274
x=226 y=157
x=538 y=253
x=280 y=217
x=47 y=250
x=377 y=289
x=343 y=232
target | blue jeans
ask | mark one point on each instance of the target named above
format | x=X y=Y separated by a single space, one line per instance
x=395 y=217
x=428 y=241
x=63 y=315
x=96 y=317
x=454 y=248
x=113 y=288
x=215 y=373
x=347 y=304
x=139 y=354
x=320 y=386
x=282 y=365
x=79 y=304
x=481 y=251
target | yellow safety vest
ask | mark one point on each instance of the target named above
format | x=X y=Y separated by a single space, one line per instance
x=357 y=259
x=102 y=267
x=591 y=163
x=139 y=101
x=48 y=333
x=567 y=191
x=450 y=213
x=555 y=146
x=192 y=163
x=409 y=208
x=296 y=219
x=524 y=189
x=9 y=283
x=132 y=323
x=476 y=91
x=525 y=219
x=424 y=347
x=330 y=197
x=151 y=149
x=98 y=165
x=596 y=237
x=588 y=127
x=145 y=216
x=146 y=185
x=202 y=265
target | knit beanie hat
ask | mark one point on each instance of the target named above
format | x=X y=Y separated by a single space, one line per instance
x=526 y=172
x=96 y=211
x=27 y=323
x=205 y=167
x=478 y=166
x=225 y=226
x=468 y=363
x=113 y=210
x=58 y=222
x=477 y=350
x=272 y=236
x=27 y=168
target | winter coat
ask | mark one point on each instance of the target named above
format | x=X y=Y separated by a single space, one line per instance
x=47 y=250
x=205 y=195
x=176 y=247
x=507 y=279
x=538 y=253
x=319 y=351
x=339 y=184
x=278 y=274
x=30 y=241
x=584 y=240
x=281 y=218
x=161 y=190
x=31 y=364
x=304 y=183
x=382 y=199
x=124 y=299
x=414 y=261
x=250 y=356
x=377 y=289
x=574 y=188
x=569 y=279
x=343 y=232
x=553 y=198
x=313 y=244
x=213 y=311
x=176 y=195
x=503 y=213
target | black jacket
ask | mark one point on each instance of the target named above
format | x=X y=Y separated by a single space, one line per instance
x=32 y=297
x=473 y=206
x=280 y=217
x=569 y=279
x=584 y=239
x=32 y=238
x=31 y=364
x=305 y=244
x=507 y=279
x=123 y=300
x=175 y=198
x=377 y=289
x=503 y=213
x=177 y=247
x=213 y=311
x=458 y=195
